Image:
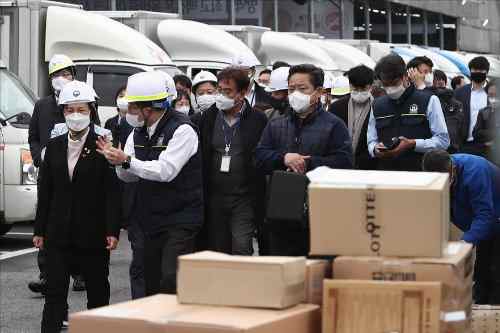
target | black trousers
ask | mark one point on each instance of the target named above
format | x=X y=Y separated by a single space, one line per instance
x=94 y=266
x=487 y=272
x=136 y=270
x=289 y=241
x=160 y=257
x=231 y=224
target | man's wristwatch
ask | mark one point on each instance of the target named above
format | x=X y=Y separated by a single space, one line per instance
x=126 y=164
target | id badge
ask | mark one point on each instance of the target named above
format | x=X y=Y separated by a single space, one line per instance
x=225 y=163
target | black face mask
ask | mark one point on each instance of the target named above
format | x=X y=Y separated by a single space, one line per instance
x=478 y=77
x=279 y=104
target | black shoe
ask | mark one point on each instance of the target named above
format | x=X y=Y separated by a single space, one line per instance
x=78 y=284
x=39 y=286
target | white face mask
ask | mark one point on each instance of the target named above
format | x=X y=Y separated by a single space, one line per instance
x=133 y=120
x=323 y=99
x=122 y=104
x=299 y=102
x=205 y=101
x=395 y=92
x=77 y=122
x=58 y=83
x=223 y=102
x=360 y=96
x=182 y=109
x=429 y=79
x=493 y=101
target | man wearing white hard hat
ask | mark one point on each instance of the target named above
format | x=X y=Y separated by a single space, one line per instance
x=278 y=87
x=46 y=114
x=77 y=218
x=256 y=94
x=162 y=157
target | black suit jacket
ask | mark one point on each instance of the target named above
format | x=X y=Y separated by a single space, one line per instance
x=46 y=114
x=80 y=213
x=363 y=160
x=120 y=131
x=463 y=95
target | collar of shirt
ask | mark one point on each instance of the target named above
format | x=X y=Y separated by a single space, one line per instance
x=152 y=128
x=477 y=89
x=80 y=141
x=236 y=119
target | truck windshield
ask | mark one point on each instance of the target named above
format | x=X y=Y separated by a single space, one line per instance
x=15 y=99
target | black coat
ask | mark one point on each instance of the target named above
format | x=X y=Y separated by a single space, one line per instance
x=46 y=114
x=363 y=159
x=120 y=131
x=80 y=213
x=463 y=96
x=251 y=126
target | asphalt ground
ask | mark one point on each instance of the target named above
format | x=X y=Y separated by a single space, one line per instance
x=21 y=309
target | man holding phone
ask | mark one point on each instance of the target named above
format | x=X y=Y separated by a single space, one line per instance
x=406 y=123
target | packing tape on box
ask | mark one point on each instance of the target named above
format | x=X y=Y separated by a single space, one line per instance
x=455 y=316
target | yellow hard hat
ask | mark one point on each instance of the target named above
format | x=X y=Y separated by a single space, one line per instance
x=59 y=62
x=146 y=87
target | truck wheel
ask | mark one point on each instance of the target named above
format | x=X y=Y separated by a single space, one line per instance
x=5 y=228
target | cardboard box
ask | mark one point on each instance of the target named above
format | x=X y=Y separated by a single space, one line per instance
x=354 y=306
x=485 y=319
x=218 y=279
x=316 y=272
x=162 y=314
x=454 y=270
x=378 y=213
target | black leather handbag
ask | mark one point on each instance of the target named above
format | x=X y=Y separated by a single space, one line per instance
x=287 y=202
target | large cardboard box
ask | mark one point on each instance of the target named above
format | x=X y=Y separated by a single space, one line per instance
x=354 y=306
x=316 y=272
x=454 y=270
x=485 y=319
x=218 y=279
x=378 y=213
x=162 y=314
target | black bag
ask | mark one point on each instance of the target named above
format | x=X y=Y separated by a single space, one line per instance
x=287 y=202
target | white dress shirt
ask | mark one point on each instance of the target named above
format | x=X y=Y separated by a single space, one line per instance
x=478 y=101
x=251 y=96
x=181 y=147
x=439 y=140
x=74 y=152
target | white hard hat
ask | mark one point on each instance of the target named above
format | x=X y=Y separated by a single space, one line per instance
x=203 y=76
x=341 y=86
x=279 y=79
x=58 y=62
x=328 y=81
x=146 y=87
x=245 y=59
x=76 y=92
x=169 y=84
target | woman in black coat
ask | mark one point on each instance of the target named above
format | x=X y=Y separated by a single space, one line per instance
x=76 y=219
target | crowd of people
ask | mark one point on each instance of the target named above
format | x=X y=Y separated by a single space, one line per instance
x=188 y=165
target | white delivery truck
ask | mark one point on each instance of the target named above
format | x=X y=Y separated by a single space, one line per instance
x=107 y=49
x=271 y=46
x=192 y=46
x=18 y=175
x=346 y=56
x=195 y=46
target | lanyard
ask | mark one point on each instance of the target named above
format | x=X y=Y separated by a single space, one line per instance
x=228 y=132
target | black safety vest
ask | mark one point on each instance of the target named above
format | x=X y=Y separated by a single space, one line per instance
x=406 y=116
x=180 y=201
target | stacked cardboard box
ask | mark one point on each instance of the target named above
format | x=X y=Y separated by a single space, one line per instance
x=163 y=314
x=485 y=319
x=391 y=227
